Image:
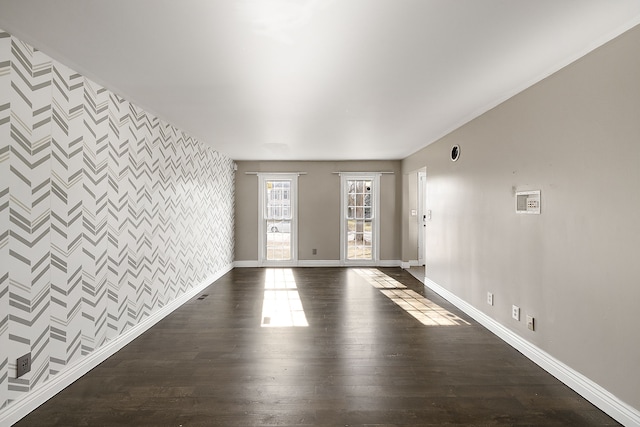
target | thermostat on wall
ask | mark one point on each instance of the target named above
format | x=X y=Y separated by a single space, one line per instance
x=528 y=202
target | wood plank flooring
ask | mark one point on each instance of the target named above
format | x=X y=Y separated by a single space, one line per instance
x=361 y=361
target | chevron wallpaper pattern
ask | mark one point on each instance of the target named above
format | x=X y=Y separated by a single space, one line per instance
x=106 y=214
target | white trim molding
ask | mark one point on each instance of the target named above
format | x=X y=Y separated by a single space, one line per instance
x=246 y=264
x=388 y=263
x=593 y=392
x=320 y=263
x=19 y=409
x=408 y=264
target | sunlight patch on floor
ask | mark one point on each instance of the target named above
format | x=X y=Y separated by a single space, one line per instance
x=423 y=309
x=281 y=306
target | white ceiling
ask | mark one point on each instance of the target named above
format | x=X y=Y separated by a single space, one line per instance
x=317 y=79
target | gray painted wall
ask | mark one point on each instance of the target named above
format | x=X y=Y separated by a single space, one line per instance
x=576 y=137
x=319 y=207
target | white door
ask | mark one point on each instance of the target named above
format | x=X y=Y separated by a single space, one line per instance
x=277 y=226
x=360 y=225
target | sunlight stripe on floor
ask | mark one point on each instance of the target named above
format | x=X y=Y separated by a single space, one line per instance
x=422 y=309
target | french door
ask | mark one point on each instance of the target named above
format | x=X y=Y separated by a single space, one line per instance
x=359 y=227
x=278 y=219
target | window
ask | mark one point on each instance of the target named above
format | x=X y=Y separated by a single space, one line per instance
x=359 y=228
x=278 y=225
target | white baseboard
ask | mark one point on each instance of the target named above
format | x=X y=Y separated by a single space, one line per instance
x=322 y=263
x=21 y=407
x=594 y=393
x=408 y=264
x=300 y=263
x=319 y=263
x=389 y=263
x=245 y=264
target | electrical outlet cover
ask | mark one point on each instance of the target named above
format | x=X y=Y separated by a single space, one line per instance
x=23 y=365
x=489 y=298
x=515 y=312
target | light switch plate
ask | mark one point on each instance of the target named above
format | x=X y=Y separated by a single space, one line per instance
x=531 y=323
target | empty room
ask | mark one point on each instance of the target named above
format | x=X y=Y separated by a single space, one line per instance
x=319 y=213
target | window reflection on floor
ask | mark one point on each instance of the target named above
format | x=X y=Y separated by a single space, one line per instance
x=426 y=311
x=281 y=306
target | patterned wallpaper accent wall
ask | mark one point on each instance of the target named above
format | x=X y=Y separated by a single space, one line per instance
x=106 y=214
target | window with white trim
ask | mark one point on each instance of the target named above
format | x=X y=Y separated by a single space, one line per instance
x=359 y=225
x=278 y=223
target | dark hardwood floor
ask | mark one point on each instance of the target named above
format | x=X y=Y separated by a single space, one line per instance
x=362 y=360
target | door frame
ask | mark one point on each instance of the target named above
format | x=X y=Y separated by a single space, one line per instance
x=422 y=216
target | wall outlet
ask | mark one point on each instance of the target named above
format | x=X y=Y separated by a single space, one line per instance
x=515 y=312
x=531 y=323
x=489 y=298
x=23 y=365
x=314 y=252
